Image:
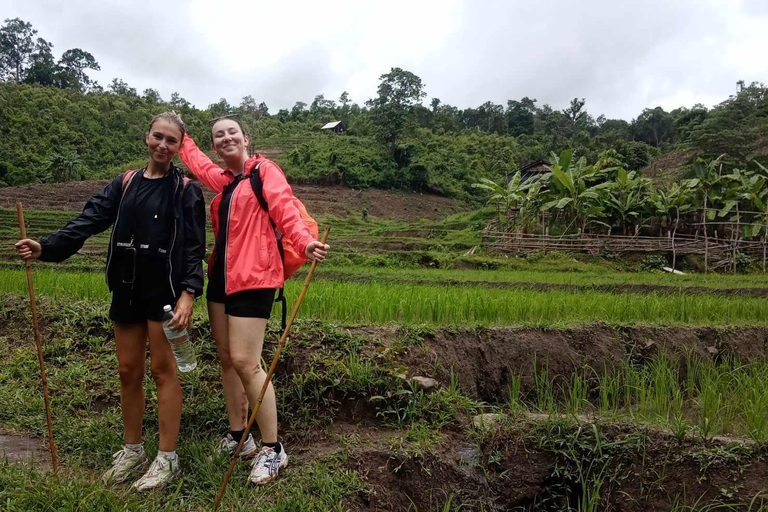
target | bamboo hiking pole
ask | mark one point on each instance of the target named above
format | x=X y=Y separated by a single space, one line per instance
x=38 y=342
x=272 y=367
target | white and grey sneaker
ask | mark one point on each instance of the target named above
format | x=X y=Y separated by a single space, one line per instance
x=159 y=473
x=125 y=463
x=228 y=445
x=267 y=464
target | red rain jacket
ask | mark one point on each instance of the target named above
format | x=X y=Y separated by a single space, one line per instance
x=252 y=257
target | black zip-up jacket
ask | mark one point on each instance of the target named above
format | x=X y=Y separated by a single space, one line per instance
x=184 y=263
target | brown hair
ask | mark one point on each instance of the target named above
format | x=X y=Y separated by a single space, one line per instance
x=232 y=117
x=171 y=117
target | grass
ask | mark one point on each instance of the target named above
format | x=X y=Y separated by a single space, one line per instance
x=329 y=367
x=379 y=303
x=684 y=393
x=586 y=277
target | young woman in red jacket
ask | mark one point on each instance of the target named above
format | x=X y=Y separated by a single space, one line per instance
x=244 y=272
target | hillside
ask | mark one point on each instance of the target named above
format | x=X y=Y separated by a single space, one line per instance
x=320 y=200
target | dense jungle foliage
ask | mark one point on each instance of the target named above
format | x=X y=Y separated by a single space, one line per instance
x=56 y=124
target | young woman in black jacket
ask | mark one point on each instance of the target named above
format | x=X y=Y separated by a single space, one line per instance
x=154 y=258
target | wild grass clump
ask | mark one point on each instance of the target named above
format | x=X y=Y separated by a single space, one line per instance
x=685 y=393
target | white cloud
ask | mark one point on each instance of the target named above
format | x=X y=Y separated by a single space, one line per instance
x=622 y=56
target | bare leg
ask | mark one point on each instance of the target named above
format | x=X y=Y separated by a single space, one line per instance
x=246 y=338
x=131 y=341
x=234 y=393
x=163 y=366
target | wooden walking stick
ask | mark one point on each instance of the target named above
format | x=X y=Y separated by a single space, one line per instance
x=38 y=342
x=272 y=367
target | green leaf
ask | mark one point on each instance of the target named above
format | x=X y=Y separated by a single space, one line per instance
x=564 y=179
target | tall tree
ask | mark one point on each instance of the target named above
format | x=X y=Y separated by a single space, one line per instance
x=121 y=88
x=398 y=91
x=654 y=126
x=248 y=105
x=263 y=109
x=177 y=101
x=17 y=44
x=520 y=115
x=43 y=69
x=152 y=96
x=73 y=64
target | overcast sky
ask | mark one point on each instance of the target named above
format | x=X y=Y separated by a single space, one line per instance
x=621 y=55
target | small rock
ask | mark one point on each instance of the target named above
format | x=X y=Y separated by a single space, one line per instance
x=487 y=421
x=712 y=350
x=424 y=383
x=468 y=458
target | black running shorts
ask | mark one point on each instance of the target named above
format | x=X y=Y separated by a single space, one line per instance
x=246 y=304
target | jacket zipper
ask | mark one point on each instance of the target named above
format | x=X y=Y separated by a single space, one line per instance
x=226 y=234
x=117 y=220
x=173 y=241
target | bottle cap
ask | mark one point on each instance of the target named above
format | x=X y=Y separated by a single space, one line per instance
x=167 y=308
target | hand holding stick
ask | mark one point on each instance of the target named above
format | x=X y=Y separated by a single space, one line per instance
x=38 y=342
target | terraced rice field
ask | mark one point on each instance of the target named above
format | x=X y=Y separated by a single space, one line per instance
x=559 y=384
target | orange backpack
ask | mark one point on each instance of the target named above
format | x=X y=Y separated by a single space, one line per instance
x=292 y=259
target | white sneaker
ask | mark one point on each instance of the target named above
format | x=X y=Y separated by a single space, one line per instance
x=228 y=445
x=159 y=473
x=124 y=464
x=267 y=464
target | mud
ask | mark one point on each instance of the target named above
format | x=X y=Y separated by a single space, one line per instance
x=19 y=449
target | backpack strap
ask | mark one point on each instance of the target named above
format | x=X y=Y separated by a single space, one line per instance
x=258 y=189
x=127 y=177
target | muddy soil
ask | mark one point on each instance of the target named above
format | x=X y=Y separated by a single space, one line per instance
x=20 y=449
x=334 y=200
x=516 y=469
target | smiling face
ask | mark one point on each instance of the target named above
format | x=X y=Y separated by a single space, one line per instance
x=229 y=141
x=163 y=140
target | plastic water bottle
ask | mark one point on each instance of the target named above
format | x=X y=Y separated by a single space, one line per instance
x=183 y=350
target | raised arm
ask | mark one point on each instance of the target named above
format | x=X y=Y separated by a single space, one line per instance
x=202 y=166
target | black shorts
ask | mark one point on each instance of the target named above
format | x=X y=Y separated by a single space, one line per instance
x=246 y=304
x=145 y=300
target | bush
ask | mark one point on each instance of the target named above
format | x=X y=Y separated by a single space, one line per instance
x=653 y=262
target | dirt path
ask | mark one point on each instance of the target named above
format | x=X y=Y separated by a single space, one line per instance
x=20 y=449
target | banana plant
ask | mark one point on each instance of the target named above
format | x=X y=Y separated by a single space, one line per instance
x=676 y=201
x=627 y=199
x=573 y=191
x=707 y=183
x=746 y=188
x=517 y=193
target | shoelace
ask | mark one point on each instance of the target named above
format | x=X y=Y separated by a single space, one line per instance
x=155 y=468
x=118 y=457
x=265 y=458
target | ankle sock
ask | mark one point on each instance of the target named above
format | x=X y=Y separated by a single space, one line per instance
x=171 y=456
x=275 y=446
x=137 y=448
x=237 y=435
